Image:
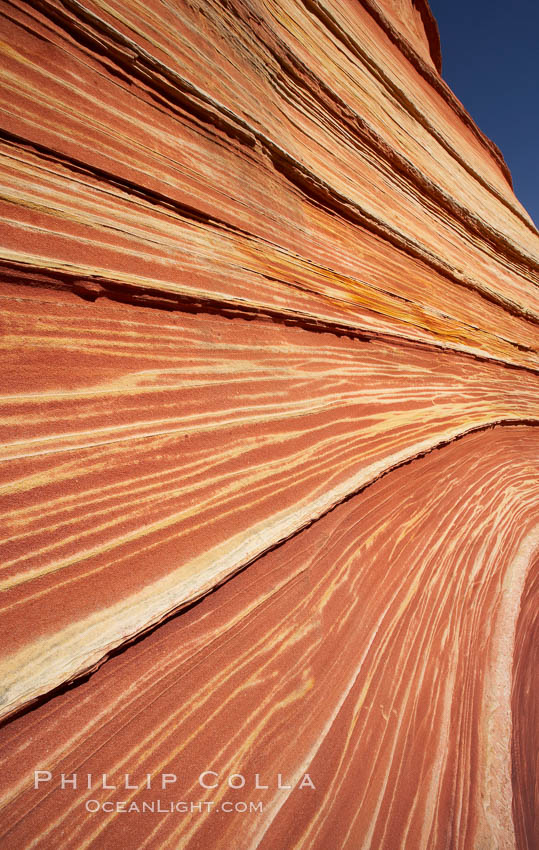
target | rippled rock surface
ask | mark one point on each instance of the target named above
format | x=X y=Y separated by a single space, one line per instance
x=269 y=445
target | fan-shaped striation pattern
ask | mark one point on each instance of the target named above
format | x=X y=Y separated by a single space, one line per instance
x=268 y=455
x=372 y=650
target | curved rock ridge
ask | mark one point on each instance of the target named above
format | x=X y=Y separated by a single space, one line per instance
x=83 y=527
x=268 y=454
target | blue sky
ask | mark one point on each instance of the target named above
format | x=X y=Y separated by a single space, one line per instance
x=490 y=58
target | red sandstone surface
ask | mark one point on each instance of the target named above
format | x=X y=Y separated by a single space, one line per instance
x=268 y=477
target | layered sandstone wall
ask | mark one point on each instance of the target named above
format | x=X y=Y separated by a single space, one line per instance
x=269 y=444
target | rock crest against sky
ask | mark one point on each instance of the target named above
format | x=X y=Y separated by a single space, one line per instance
x=491 y=61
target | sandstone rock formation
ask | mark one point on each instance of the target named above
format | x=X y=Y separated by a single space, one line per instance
x=269 y=444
